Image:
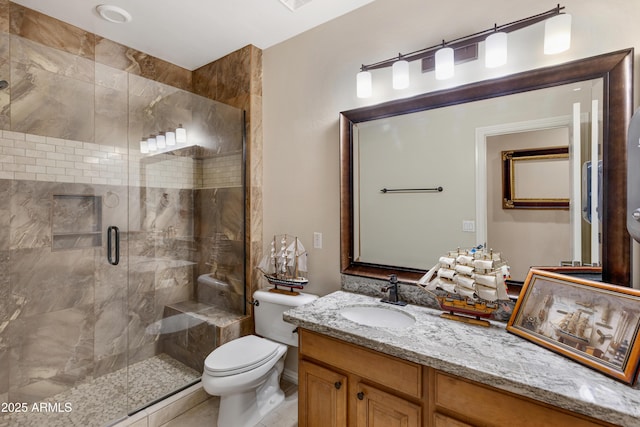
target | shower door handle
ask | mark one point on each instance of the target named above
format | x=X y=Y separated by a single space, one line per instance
x=113 y=256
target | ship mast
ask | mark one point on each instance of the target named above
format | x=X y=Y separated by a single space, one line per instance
x=295 y=259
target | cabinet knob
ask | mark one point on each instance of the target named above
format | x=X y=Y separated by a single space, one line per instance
x=337 y=385
x=360 y=396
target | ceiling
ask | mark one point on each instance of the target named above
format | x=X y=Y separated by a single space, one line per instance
x=192 y=33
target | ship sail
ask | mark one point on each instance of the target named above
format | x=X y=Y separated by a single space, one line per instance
x=474 y=281
x=285 y=265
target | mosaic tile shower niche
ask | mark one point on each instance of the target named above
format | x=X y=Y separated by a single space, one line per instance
x=75 y=330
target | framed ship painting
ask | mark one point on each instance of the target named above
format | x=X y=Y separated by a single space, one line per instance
x=593 y=323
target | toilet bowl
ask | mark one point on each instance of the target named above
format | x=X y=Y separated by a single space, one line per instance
x=246 y=372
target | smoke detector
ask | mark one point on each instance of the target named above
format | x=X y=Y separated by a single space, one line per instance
x=113 y=14
x=294 y=4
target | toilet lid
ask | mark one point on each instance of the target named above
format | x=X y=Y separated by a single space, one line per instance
x=240 y=355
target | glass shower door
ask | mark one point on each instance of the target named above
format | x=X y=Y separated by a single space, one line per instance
x=186 y=235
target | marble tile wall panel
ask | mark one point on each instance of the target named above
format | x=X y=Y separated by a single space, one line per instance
x=216 y=81
x=38 y=57
x=60 y=280
x=50 y=352
x=51 y=32
x=216 y=126
x=4 y=16
x=45 y=103
x=156 y=107
x=135 y=62
x=111 y=111
x=5 y=215
x=190 y=344
x=30 y=210
x=220 y=237
x=5 y=74
x=7 y=308
x=111 y=312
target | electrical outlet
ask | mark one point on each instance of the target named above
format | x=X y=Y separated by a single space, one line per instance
x=317 y=240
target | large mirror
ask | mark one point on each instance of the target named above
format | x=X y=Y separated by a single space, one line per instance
x=411 y=145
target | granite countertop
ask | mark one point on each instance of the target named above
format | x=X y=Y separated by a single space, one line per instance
x=489 y=355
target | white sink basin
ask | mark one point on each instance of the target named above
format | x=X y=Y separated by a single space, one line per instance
x=380 y=316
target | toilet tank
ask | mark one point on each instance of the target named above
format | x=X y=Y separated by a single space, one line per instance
x=268 y=315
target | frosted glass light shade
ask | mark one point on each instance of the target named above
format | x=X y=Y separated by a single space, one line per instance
x=495 y=46
x=363 y=84
x=400 y=73
x=170 y=138
x=151 y=144
x=144 y=146
x=161 y=141
x=444 y=63
x=181 y=135
x=557 y=34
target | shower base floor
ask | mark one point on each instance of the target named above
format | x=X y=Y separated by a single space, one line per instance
x=105 y=399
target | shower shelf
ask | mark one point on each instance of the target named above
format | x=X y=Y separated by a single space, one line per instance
x=76 y=222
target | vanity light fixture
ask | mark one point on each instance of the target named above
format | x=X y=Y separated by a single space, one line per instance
x=400 y=74
x=181 y=135
x=495 y=49
x=363 y=82
x=443 y=56
x=557 y=34
x=161 y=141
x=144 y=146
x=151 y=144
x=444 y=63
x=170 y=137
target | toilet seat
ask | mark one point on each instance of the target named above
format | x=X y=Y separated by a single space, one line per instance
x=240 y=355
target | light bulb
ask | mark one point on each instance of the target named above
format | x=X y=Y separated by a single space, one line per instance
x=160 y=141
x=170 y=137
x=363 y=84
x=181 y=135
x=495 y=50
x=144 y=146
x=151 y=143
x=444 y=63
x=400 y=73
x=557 y=34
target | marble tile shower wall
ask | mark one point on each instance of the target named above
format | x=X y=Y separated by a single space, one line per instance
x=66 y=315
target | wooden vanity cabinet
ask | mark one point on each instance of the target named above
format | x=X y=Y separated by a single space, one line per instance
x=340 y=384
x=457 y=402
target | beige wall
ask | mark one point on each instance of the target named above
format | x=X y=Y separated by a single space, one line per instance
x=309 y=79
x=516 y=231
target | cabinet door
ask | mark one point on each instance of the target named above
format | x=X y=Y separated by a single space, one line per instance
x=322 y=396
x=376 y=408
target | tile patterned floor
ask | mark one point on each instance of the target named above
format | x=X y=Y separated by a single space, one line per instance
x=206 y=413
x=103 y=400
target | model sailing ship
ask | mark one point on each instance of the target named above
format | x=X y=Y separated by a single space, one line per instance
x=284 y=265
x=473 y=281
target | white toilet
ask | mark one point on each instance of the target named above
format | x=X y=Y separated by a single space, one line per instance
x=245 y=372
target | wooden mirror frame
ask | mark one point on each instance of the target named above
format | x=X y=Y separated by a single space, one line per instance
x=616 y=70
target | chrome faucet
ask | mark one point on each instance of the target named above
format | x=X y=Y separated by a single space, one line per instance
x=392 y=288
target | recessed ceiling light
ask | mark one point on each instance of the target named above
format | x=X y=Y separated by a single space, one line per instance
x=113 y=13
x=294 y=4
